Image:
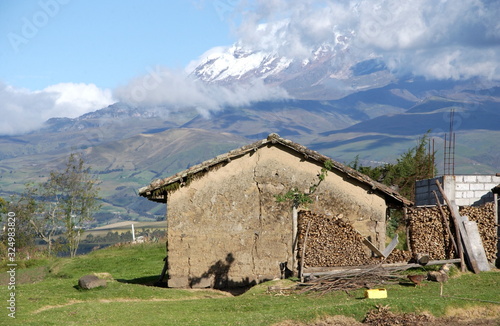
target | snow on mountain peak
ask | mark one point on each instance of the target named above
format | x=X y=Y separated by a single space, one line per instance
x=235 y=62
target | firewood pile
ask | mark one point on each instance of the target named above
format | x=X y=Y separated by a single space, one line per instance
x=399 y=256
x=484 y=216
x=331 y=241
x=428 y=233
x=348 y=280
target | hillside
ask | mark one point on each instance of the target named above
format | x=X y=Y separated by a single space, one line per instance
x=130 y=146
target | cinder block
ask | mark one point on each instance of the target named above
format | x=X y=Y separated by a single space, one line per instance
x=459 y=194
x=483 y=194
x=469 y=194
x=470 y=178
x=478 y=194
x=489 y=186
x=476 y=186
x=421 y=197
x=484 y=178
x=422 y=183
x=459 y=178
x=422 y=191
x=462 y=202
x=433 y=188
x=462 y=186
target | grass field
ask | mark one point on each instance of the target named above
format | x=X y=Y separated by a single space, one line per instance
x=46 y=293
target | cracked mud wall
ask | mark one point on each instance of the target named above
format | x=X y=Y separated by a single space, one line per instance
x=226 y=228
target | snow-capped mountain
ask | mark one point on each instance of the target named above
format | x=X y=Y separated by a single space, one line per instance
x=331 y=71
x=237 y=63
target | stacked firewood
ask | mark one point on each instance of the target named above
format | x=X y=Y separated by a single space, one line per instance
x=428 y=233
x=398 y=256
x=331 y=241
x=484 y=216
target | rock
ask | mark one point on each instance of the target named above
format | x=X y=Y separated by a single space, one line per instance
x=90 y=281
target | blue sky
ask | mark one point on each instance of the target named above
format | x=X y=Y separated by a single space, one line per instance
x=45 y=42
x=64 y=58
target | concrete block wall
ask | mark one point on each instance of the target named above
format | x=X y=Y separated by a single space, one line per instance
x=466 y=190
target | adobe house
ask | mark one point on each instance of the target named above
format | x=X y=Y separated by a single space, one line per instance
x=226 y=228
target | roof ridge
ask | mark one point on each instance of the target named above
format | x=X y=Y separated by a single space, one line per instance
x=272 y=138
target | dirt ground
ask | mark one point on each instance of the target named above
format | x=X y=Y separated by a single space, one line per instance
x=479 y=316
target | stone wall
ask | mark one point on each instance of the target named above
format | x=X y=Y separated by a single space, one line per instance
x=466 y=190
x=226 y=228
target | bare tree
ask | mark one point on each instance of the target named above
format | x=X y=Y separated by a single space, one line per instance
x=65 y=201
x=42 y=205
x=74 y=191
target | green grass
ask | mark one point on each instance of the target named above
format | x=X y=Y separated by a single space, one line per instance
x=46 y=294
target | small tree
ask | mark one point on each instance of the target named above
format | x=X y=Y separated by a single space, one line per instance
x=3 y=206
x=67 y=200
x=414 y=164
x=22 y=211
x=298 y=198
x=75 y=193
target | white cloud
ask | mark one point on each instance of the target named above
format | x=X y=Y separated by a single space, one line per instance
x=24 y=110
x=414 y=36
x=175 y=89
x=73 y=100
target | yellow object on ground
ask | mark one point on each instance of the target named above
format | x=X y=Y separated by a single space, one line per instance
x=376 y=294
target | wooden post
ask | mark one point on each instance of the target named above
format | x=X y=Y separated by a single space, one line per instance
x=457 y=227
x=294 y=238
x=165 y=266
x=304 y=252
x=495 y=207
x=409 y=244
x=445 y=219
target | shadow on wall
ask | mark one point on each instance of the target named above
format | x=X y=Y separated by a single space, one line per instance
x=486 y=198
x=219 y=272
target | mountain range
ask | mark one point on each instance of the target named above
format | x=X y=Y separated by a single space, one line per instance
x=340 y=107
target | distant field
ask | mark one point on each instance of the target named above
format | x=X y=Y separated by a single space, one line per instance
x=125 y=226
x=128 y=225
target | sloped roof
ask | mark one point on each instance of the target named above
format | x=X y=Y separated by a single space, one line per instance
x=156 y=190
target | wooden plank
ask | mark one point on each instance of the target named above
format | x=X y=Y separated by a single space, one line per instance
x=372 y=247
x=465 y=238
x=318 y=271
x=303 y=257
x=477 y=245
x=445 y=220
x=457 y=227
x=387 y=251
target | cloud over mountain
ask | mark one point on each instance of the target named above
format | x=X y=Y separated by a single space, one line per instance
x=177 y=90
x=24 y=110
x=436 y=39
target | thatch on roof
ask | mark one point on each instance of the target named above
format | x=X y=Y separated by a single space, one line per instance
x=157 y=190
